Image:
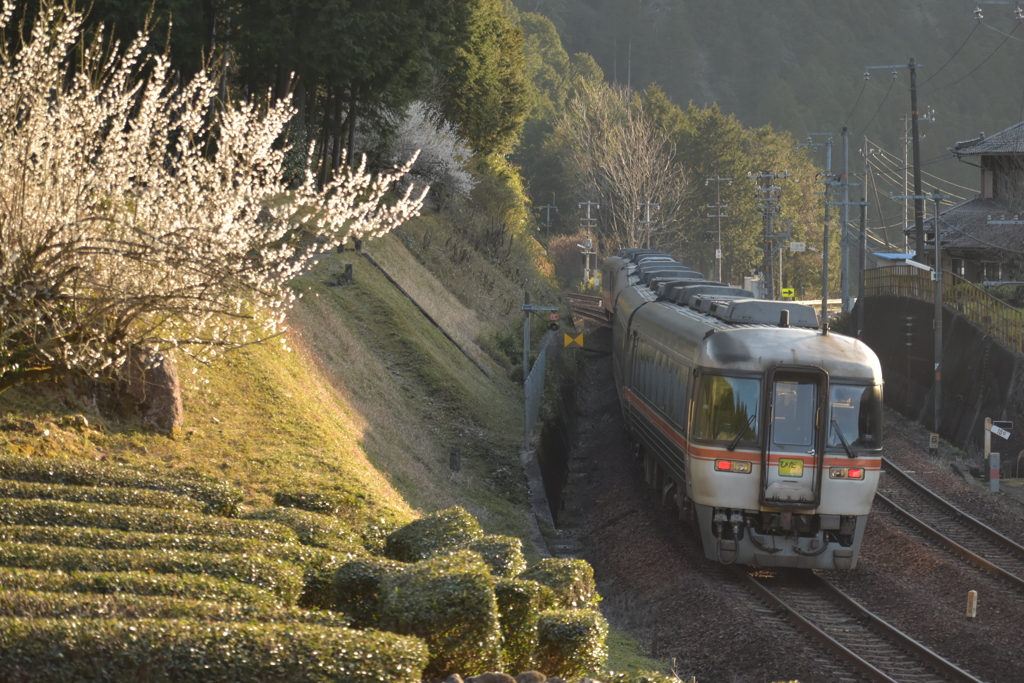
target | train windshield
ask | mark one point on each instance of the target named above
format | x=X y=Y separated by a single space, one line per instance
x=727 y=408
x=855 y=415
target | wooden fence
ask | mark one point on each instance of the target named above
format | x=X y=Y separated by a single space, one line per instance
x=999 y=319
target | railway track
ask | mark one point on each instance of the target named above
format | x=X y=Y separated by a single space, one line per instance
x=588 y=308
x=865 y=641
x=950 y=526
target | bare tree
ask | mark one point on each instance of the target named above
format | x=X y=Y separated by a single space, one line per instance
x=616 y=154
x=135 y=216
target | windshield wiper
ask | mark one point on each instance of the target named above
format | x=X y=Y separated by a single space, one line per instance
x=842 y=438
x=746 y=428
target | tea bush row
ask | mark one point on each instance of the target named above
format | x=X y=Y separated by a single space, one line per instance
x=42 y=605
x=218 y=497
x=184 y=586
x=166 y=651
x=99 y=494
x=283 y=578
x=152 y=520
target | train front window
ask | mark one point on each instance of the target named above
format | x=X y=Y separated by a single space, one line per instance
x=855 y=414
x=727 y=408
x=794 y=405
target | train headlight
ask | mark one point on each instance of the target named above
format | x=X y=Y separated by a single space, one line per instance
x=846 y=473
x=741 y=466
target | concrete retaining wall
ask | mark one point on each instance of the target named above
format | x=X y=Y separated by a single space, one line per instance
x=981 y=377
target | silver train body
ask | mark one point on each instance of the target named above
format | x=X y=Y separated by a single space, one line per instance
x=763 y=429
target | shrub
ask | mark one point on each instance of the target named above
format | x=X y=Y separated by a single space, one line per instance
x=160 y=651
x=318 y=564
x=184 y=586
x=358 y=588
x=309 y=501
x=60 y=513
x=503 y=554
x=312 y=529
x=519 y=606
x=571 y=580
x=571 y=642
x=374 y=536
x=438 y=532
x=219 y=497
x=44 y=605
x=284 y=579
x=99 y=494
x=449 y=602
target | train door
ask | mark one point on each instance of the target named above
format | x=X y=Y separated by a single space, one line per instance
x=793 y=451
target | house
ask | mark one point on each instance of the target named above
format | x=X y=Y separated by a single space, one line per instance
x=983 y=237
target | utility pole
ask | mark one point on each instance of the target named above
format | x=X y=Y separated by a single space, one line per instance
x=588 y=224
x=547 y=219
x=916 y=136
x=768 y=207
x=828 y=182
x=929 y=117
x=937 y=198
x=863 y=244
x=718 y=206
x=844 y=242
x=647 y=222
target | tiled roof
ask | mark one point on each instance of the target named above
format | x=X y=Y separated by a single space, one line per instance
x=1009 y=141
x=966 y=226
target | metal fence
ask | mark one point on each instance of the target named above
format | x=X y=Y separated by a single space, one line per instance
x=997 y=318
x=533 y=388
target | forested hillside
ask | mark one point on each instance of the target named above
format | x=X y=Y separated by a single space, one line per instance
x=799 y=65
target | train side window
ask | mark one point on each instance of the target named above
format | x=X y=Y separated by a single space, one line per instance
x=727 y=407
x=857 y=412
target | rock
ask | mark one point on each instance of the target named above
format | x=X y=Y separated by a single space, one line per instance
x=491 y=678
x=153 y=383
x=531 y=677
x=454 y=678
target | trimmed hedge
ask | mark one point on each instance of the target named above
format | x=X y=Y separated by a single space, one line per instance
x=184 y=586
x=99 y=494
x=42 y=605
x=637 y=677
x=164 y=651
x=571 y=642
x=519 y=606
x=449 y=602
x=439 y=532
x=503 y=554
x=152 y=520
x=310 y=501
x=318 y=564
x=572 y=581
x=284 y=579
x=358 y=588
x=219 y=497
x=311 y=528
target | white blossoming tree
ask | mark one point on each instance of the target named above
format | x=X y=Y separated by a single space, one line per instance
x=442 y=153
x=139 y=215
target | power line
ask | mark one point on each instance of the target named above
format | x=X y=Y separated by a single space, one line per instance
x=893 y=82
x=954 y=54
x=991 y=54
x=854 y=107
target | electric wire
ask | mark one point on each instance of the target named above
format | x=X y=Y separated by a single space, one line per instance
x=898 y=166
x=991 y=54
x=854 y=107
x=954 y=54
x=861 y=133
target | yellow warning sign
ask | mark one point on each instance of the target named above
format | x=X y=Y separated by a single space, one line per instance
x=788 y=293
x=569 y=341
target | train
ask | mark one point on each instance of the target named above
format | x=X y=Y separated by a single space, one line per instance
x=762 y=426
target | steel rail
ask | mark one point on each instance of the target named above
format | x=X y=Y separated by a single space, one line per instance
x=900 y=644
x=958 y=516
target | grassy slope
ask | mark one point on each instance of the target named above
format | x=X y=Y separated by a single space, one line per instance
x=369 y=403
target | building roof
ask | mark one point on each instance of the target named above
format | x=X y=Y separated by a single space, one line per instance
x=969 y=225
x=1009 y=141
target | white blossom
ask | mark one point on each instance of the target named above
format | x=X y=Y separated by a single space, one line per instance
x=137 y=214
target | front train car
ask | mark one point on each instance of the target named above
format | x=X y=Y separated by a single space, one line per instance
x=766 y=434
